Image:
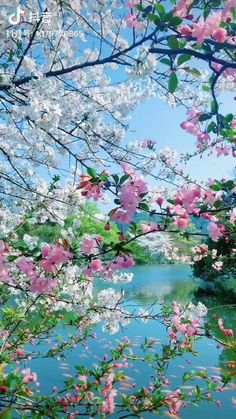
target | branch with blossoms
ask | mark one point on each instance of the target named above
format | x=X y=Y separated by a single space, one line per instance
x=95 y=391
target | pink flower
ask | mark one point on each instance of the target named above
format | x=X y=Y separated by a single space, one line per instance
x=90 y=190
x=149 y=227
x=215 y=231
x=190 y=127
x=28 y=375
x=227 y=332
x=188 y=197
x=185 y=30
x=87 y=272
x=211 y=197
x=223 y=150
x=217 y=266
x=19 y=352
x=233 y=124
x=122 y=262
x=26 y=266
x=95 y=265
x=159 y=201
x=54 y=255
x=42 y=285
x=181 y=8
x=203 y=137
x=220 y=35
x=122 y=217
x=132 y=21
x=228 y=5
x=132 y=3
x=88 y=246
x=182 y=222
x=204 y=29
x=4 y=273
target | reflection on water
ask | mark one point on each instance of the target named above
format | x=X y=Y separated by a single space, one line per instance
x=154 y=283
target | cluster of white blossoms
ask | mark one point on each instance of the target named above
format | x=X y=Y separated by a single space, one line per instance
x=110 y=311
x=145 y=64
x=174 y=253
x=64 y=105
x=199 y=310
x=155 y=243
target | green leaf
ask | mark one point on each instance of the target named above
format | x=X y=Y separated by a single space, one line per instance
x=214 y=107
x=206 y=88
x=124 y=178
x=116 y=179
x=154 y=18
x=229 y=185
x=204 y=117
x=139 y=7
x=160 y=9
x=193 y=71
x=229 y=117
x=92 y=172
x=69 y=383
x=165 y=61
x=215 y=187
x=173 y=42
x=216 y=4
x=173 y=82
x=211 y=126
x=183 y=58
x=144 y=206
x=175 y=21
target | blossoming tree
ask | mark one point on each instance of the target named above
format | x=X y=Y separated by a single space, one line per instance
x=71 y=73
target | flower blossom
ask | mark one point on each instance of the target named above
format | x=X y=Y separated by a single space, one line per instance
x=28 y=376
x=4 y=272
x=88 y=245
x=181 y=8
x=54 y=255
x=215 y=231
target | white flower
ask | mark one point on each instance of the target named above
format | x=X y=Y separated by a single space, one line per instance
x=200 y=310
x=30 y=241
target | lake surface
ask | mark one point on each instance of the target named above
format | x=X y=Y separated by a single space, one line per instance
x=154 y=283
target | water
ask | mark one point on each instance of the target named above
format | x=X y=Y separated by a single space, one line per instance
x=151 y=283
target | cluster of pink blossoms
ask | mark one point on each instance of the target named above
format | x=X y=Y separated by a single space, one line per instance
x=28 y=376
x=192 y=126
x=209 y=27
x=174 y=402
x=130 y=196
x=228 y=72
x=108 y=405
x=89 y=189
x=88 y=245
x=106 y=270
x=131 y=18
x=227 y=332
x=4 y=272
x=188 y=327
x=54 y=254
x=38 y=284
x=185 y=200
x=182 y=7
x=216 y=231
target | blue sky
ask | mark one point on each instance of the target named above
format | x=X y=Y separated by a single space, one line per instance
x=156 y=120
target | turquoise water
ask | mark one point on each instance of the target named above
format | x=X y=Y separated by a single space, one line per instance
x=153 y=283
